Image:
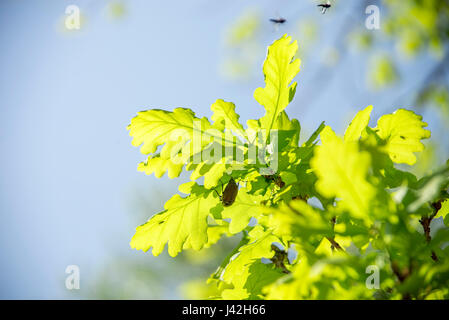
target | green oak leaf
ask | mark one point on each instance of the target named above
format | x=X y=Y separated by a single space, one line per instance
x=279 y=69
x=183 y=220
x=342 y=171
x=158 y=165
x=402 y=131
x=259 y=246
x=259 y=275
x=245 y=207
x=226 y=111
x=358 y=124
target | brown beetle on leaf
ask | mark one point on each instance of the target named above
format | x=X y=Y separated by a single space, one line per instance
x=229 y=194
x=276 y=178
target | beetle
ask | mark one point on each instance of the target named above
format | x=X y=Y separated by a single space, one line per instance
x=279 y=258
x=276 y=178
x=229 y=194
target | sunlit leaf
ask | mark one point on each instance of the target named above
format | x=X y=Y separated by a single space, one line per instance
x=184 y=219
x=403 y=131
x=342 y=173
x=358 y=124
x=279 y=69
x=258 y=247
x=245 y=207
x=226 y=111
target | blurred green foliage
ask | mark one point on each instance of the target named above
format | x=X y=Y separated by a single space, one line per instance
x=241 y=45
x=383 y=72
x=415 y=28
x=418 y=25
x=116 y=9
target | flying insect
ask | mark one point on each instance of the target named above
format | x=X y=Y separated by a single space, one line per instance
x=278 y=20
x=324 y=6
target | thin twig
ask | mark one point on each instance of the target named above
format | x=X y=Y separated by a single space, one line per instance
x=425 y=222
x=402 y=275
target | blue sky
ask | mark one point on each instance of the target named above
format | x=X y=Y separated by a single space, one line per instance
x=68 y=170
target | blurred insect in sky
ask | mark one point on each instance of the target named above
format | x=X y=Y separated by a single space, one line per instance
x=324 y=6
x=277 y=22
